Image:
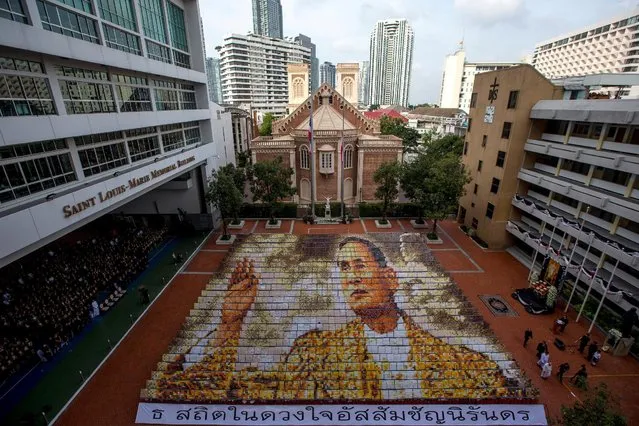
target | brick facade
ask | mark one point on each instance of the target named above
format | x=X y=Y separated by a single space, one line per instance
x=290 y=137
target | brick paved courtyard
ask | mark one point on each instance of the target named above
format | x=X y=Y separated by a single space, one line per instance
x=476 y=272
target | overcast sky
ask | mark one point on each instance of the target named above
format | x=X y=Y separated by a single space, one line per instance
x=493 y=30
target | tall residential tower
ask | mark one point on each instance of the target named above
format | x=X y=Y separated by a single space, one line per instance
x=327 y=73
x=214 y=80
x=391 y=57
x=254 y=71
x=458 y=78
x=305 y=41
x=364 y=83
x=267 y=18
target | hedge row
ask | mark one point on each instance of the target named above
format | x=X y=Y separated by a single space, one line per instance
x=284 y=210
x=396 y=210
x=289 y=210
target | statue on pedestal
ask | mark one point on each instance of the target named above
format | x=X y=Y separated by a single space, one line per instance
x=327 y=208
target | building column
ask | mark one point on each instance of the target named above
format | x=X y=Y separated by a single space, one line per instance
x=602 y=136
x=615 y=225
x=339 y=170
x=591 y=171
x=558 y=168
x=571 y=125
x=138 y=19
x=578 y=210
x=99 y=26
x=75 y=159
x=54 y=86
x=291 y=156
x=631 y=185
x=360 y=173
x=33 y=15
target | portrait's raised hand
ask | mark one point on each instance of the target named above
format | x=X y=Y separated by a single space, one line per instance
x=238 y=299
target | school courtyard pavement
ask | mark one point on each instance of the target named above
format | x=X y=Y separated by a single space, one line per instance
x=111 y=395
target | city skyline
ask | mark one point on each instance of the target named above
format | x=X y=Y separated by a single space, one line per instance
x=482 y=24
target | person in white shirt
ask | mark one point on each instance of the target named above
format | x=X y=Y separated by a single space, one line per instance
x=544 y=359
x=595 y=358
x=546 y=370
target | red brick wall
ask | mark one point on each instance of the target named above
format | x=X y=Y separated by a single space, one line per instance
x=372 y=161
x=286 y=124
x=269 y=156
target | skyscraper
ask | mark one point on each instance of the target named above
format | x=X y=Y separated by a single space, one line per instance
x=458 y=78
x=267 y=18
x=305 y=41
x=214 y=80
x=606 y=47
x=327 y=73
x=391 y=58
x=254 y=71
x=364 y=81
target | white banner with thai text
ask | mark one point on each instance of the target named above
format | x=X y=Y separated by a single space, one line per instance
x=326 y=415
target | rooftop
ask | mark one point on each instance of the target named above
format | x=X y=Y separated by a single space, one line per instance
x=389 y=112
x=620 y=111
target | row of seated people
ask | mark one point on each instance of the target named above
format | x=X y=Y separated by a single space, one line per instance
x=47 y=296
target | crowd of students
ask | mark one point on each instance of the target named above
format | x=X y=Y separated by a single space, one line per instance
x=49 y=296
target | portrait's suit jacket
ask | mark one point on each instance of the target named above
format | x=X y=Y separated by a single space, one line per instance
x=334 y=365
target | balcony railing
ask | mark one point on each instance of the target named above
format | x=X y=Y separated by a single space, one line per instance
x=591 y=196
x=602 y=158
x=571 y=226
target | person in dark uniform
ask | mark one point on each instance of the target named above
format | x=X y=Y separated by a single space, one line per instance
x=563 y=368
x=528 y=334
x=583 y=342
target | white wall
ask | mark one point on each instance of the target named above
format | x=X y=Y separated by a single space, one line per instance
x=166 y=200
x=33 y=227
x=451 y=82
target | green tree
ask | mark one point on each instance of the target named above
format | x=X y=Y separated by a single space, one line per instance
x=387 y=178
x=243 y=159
x=599 y=408
x=224 y=194
x=425 y=105
x=238 y=174
x=266 y=129
x=373 y=107
x=438 y=145
x=434 y=183
x=270 y=182
x=395 y=126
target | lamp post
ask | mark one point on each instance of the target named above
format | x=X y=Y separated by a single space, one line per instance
x=592 y=323
x=572 y=253
x=592 y=281
x=534 y=259
x=312 y=143
x=552 y=236
x=583 y=263
x=342 y=153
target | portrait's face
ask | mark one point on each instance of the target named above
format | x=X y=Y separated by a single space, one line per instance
x=366 y=285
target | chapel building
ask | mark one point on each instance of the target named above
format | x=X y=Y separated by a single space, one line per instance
x=339 y=131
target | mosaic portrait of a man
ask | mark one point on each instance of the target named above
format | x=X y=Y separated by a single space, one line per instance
x=334 y=318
